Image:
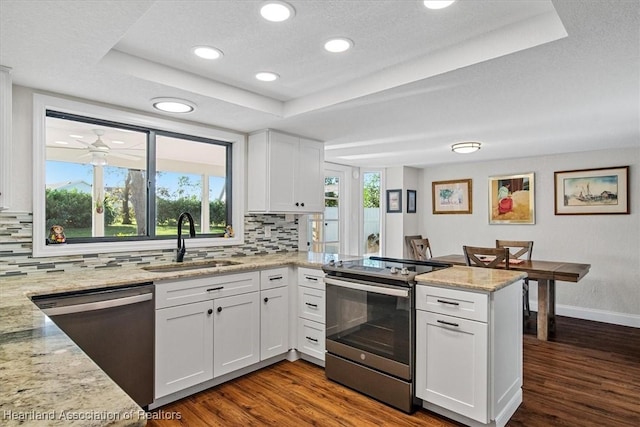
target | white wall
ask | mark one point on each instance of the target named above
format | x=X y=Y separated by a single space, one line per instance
x=610 y=243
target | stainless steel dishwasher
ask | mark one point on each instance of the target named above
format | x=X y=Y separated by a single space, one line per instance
x=114 y=327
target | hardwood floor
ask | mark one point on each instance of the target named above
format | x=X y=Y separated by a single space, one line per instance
x=588 y=374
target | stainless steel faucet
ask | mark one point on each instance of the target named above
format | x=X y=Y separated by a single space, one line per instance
x=192 y=233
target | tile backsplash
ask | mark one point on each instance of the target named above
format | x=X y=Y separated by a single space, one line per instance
x=16 y=238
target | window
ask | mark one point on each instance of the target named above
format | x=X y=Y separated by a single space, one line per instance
x=371 y=212
x=324 y=229
x=110 y=182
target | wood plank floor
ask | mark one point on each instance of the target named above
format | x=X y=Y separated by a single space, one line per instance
x=587 y=375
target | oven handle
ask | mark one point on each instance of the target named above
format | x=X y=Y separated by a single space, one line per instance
x=368 y=288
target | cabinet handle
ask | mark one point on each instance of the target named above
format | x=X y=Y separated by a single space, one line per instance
x=302 y=204
x=275 y=278
x=219 y=309
x=311 y=305
x=312 y=339
x=266 y=299
x=297 y=204
x=215 y=289
x=448 y=323
x=314 y=279
x=448 y=302
x=210 y=311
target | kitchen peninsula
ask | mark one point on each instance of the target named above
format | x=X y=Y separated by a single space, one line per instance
x=47 y=379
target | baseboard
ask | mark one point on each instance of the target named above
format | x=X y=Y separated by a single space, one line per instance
x=623 y=319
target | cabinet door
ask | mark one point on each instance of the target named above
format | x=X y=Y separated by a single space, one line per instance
x=274 y=322
x=309 y=191
x=451 y=364
x=236 y=333
x=184 y=347
x=283 y=162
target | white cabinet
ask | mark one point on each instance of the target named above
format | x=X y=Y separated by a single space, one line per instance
x=274 y=312
x=194 y=341
x=285 y=173
x=469 y=353
x=184 y=347
x=236 y=332
x=311 y=313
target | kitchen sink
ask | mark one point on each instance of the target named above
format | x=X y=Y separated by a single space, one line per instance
x=167 y=268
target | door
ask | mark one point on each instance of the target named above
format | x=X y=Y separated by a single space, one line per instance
x=283 y=164
x=274 y=322
x=451 y=364
x=325 y=231
x=309 y=175
x=184 y=347
x=371 y=214
x=236 y=332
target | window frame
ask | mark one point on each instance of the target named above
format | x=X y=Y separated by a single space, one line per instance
x=42 y=103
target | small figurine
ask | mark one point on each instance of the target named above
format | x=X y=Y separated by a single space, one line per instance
x=56 y=234
x=229 y=232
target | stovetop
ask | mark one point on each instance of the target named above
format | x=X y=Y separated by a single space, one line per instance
x=387 y=270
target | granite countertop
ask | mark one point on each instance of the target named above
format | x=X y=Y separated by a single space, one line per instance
x=472 y=278
x=47 y=380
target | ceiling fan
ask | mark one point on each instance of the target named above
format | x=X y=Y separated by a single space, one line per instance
x=98 y=150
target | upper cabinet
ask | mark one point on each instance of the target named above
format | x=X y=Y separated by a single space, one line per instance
x=285 y=173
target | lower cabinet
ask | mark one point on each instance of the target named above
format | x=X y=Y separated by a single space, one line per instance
x=236 y=332
x=184 y=347
x=311 y=314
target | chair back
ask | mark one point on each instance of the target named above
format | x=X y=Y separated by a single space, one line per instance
x=408 y=247
x=518 y=249
x=486 y=257
x=421 y=249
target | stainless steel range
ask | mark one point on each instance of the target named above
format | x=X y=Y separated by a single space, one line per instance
x=370 y=319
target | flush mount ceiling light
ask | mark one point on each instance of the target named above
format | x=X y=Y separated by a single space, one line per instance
x=207 y=52
x=277 y=11
x=438 y=4
x=465 y=147
x=173 y=105
x=267 y=76
x=338 y=44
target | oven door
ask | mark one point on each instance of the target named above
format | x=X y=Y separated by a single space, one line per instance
x=371 y=324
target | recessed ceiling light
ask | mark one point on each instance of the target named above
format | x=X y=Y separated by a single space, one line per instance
x=62 y=142
x=438 y=4
x=338 y=44
x=173 y=105
x=76 y=136
x=267 y=76
x=207 y=52
x=277 y=11
x=113 y=141
x=465 y=147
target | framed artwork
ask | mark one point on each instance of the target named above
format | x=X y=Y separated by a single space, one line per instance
x=592 y=191
x=394 y=201
x=411 y=201
x=452 y=197
x=511 y=199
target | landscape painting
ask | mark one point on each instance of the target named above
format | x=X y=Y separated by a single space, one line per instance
x=592 y=191
x=452 y=197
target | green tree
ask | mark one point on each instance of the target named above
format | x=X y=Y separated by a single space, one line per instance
x=68 y=208
x=371 y=192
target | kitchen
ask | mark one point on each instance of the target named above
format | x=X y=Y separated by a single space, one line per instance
x=578 y=93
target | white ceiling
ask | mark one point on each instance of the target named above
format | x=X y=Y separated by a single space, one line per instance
x=523 y=77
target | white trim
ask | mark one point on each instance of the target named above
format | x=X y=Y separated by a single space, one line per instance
x=605 y=316
x=43 y=102
x=6 y=137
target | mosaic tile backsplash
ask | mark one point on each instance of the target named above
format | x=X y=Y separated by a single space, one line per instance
x=16 y=238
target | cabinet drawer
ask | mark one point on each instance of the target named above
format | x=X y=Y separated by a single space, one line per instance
x=176 y=292
x=274 y=278
x=311 y=338
x=311 y=304
x=453 y=302
x=311 y=278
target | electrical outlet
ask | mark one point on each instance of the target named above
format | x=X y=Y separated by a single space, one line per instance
x=267 y=231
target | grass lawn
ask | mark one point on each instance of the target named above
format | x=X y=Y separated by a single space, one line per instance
x=131 y=230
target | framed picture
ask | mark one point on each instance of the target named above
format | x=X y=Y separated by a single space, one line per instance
x=511 y=199
x=452 y=197
x=592 y=191
x=394 y=201
x=411 y=201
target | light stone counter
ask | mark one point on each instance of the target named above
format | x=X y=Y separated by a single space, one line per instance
x=46 y=380
x=472 y=278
